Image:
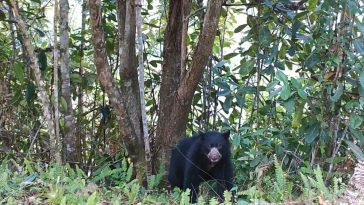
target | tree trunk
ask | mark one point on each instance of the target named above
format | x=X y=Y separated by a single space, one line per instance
x=133 y=143
x=55 y=72
x=177 y=91
x=79 y=130
x=170 y=81
x=69 y=141
x=42 y=94
x=141 y=88
x=128 y=71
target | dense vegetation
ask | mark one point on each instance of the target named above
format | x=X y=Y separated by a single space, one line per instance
x=285 y=77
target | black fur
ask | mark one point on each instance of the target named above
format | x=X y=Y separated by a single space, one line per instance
x=189 y=165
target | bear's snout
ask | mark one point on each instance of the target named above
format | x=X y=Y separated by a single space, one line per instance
x=214 y=155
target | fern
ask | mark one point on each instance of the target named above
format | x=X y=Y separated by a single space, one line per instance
x=185 y=197
x=228 y=198
x=281 y=183
x=320 y=184
x=213 y=201
x=307 y=187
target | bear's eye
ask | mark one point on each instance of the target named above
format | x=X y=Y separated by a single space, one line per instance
x=219 y=146
x=209 y=146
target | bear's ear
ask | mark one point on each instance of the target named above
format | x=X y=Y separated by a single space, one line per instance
x=226 y=135
x=202 y=134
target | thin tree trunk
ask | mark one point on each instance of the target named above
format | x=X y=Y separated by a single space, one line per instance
x=176 y=94
x=132 y=141
x=79 y=131
x=141 y=88
x=55 y=72
x=186 y=9
x=69 y=141
x=42 y=94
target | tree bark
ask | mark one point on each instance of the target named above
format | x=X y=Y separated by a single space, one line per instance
x=132 y=141
x=141 y=88
x=128 y=68
x=42 y=94
x=171 y=70
x=69 y=141
x=55 y=72
x=177 y=91
x=79 y=130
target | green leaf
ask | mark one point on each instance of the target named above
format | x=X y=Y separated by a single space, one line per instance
x=230 y=55
x=338 y=93
x=30 y=92
x=296 y=25
x=18 y=69
x=265 y=37
x=40 y=32
x=356 y=121
x=224 y=92
x=42 y=59
x=296 y=84
x=92 y=200
x=274 y=93
x=358 y=44
x=357 y=134
x=312 y=133
x=240 y=28
x=312 y=5
x=240 y=100
x=302 y=94
x=312 y=60
x=361 y=79
x=286 y=92
x=281 y=76
x=360 y=26
x=227 y=104
x=2 y=15
x=272 y=85
x=63 y=103
x=356 y=150
x=289 y=105
x=246 y=67
x=76 y=78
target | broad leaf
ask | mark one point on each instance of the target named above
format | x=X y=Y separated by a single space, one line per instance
x=224 y=92
x=240 y=28
x=281 y=76
x=42 y=59
x=19 y=71
x=312 y=133
x=358 y=44
x=246 y=67
x=356 y=150
x=312 y=5
x=286 y=92
x=312 y=60
x=361 y=78
x=338 y=93
x=265 y=37
x=356 y=121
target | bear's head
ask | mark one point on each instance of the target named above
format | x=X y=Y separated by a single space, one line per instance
x=215 y=145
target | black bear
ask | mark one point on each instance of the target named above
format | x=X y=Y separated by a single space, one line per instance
x=203 y=157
